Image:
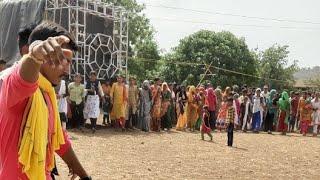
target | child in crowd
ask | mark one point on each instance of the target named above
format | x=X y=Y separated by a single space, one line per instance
x=205 y=127
x=106 y=103
x=230 y=120
x=246 y=114
x=222 y=114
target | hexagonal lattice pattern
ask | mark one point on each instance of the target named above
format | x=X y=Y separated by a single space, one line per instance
x=106 y=54
x=102 y=56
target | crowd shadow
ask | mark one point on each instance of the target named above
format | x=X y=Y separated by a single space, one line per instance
x=106 y=132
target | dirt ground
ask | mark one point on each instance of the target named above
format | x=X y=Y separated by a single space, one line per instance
x=182 y=155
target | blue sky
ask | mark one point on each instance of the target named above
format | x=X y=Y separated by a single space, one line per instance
x=172 y=24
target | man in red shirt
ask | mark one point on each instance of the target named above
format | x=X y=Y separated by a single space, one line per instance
x=49 y=57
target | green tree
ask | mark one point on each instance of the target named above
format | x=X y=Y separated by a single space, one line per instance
x=274 y=64
x=145 y=63
x=221 y=49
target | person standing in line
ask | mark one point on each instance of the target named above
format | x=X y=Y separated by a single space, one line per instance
x=306 y=110
x=145 y=107
x=222 y=115
x=316 y=113
x=133 y=101
x=191 y=108
x=119 y=99
x=257 y=108
x=293 y=111
x=301 y=104
x=156 y=106
x=218 y=94
x=284 y=106
x=211 y=102
x=271 y=108
x=181 y=107
x=242 y=106
x=76 y=101
x=92 y=106
x=230 y=120
x=166 y=119
x=246 y=113
x=106 y=103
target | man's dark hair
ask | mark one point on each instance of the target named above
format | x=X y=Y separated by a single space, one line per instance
x=50 y=29
x=93 y=73
x=24 y=34
x=2 y=62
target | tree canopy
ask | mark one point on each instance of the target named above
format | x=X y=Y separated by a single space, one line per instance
x=274 y=64
x=220 y=49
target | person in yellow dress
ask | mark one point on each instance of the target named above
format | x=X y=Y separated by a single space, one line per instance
x=119 y=98
x=192 y=107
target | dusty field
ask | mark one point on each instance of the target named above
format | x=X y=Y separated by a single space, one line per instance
x=182 y=155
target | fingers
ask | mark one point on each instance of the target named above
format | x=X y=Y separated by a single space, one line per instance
x=68 y=54
x=57 y=51
x=62 y=39
x=50 y=52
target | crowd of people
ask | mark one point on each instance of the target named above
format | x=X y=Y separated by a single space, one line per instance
x=157 y=106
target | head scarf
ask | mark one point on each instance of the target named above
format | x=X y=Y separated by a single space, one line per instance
x=192 y=89
x=163 y=85
x=272 y=94
x=218 y=93
x=146 y=84
x=284 y=101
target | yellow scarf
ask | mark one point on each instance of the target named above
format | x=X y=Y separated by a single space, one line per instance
x=34 y=145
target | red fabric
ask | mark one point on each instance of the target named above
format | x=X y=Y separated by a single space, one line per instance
x=282 y=126
x=211 y=99
x=204 y=127
x=304 y=126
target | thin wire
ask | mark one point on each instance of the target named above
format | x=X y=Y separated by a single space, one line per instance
x=204 y=64
x=240 y=25
x=234 y=15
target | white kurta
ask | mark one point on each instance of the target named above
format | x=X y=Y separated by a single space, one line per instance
x=62 y=101
x=316 y=114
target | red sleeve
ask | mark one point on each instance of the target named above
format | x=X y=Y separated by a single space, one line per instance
x=15 y=89
x=66 y=146
x=215 y=102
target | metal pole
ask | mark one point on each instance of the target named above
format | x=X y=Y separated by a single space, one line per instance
x=207 y=70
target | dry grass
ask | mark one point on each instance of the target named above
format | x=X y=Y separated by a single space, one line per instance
x=182 y=155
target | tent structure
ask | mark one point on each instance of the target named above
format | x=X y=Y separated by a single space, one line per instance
x=100 y=30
